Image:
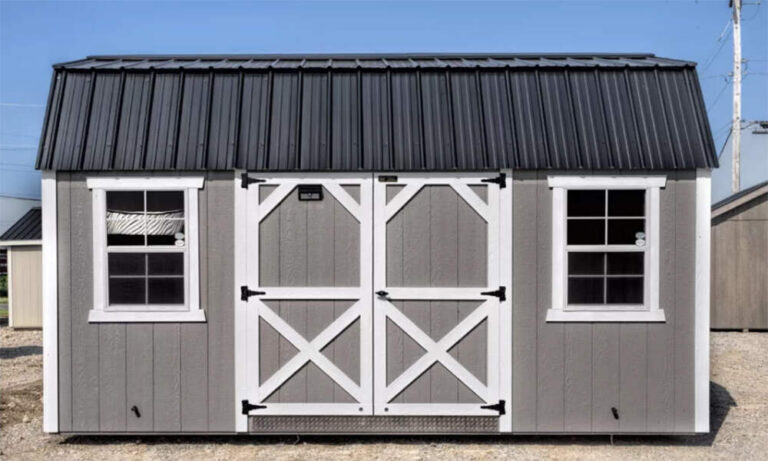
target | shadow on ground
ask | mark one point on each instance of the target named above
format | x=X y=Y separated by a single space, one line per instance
x=21 y=351
x=720 y=404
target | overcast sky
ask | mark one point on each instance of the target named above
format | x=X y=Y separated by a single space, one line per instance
x=36 y=34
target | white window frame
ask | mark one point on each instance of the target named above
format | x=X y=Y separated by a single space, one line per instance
x=649 y=311
x=190 y=311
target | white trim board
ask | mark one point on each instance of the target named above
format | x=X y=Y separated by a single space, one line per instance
x=50 y=305
x=101 y=311
x=650 y=310
x=20 y=243
x=702 y=283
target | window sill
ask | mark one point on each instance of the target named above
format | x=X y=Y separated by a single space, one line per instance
x=557 y=315
x=95 y=316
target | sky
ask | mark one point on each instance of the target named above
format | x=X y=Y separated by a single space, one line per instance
x=36 y=34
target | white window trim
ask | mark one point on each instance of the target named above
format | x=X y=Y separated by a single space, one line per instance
x=648 y=312
x=101 y=311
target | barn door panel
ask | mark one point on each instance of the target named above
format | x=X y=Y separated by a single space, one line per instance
x=435 y=276
x=309 y=295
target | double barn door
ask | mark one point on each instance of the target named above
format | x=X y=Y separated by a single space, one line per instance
x=372 y=294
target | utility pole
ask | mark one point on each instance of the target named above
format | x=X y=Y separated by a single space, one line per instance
x=736 y=129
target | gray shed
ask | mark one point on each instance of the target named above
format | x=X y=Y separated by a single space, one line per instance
x=740 y=260
x=376 y=244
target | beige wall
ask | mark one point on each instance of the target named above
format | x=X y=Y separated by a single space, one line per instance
x=740 y=267
x=25 y=292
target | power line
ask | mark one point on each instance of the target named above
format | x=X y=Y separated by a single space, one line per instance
x=721 y=40
x=717 y=98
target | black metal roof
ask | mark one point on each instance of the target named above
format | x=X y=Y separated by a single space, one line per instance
x=28 y=227
x=375 y=112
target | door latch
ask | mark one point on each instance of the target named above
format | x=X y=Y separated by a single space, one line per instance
x=501 y=293
x=382 y=294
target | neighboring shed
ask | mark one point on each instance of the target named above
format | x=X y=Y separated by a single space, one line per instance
x=740 y=260
x=376 y=243
x=23 y=242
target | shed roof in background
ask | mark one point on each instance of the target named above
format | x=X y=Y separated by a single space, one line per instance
x=739 y=198
x=28 y=227
x=375 y=112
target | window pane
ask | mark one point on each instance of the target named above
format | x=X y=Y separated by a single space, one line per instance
x=125 y=201
x=586 y=203
x=626 y=203
x=166 y=264
x=166 y=290
x=127 y=264
x=586 y=263
x=165 y=231
x=124 y=239
x=164 y=201
x=625 y=290
x=126 y=291
x=626 y=263
x=585 y=290
x=624 y=231
x=586 y=231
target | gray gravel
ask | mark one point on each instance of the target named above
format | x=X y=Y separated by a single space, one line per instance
x=739 y=415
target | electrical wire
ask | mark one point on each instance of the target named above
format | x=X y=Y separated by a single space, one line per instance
x=717 y=98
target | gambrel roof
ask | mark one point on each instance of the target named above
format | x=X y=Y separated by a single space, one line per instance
x=375 y=112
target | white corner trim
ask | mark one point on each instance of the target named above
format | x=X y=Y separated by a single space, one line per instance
x=143 y=183
x=9 y=286
x=96 y=316
x=50 y=304
x=241 y=327
x=702 y=281
x=557 y=315
x=607 y=182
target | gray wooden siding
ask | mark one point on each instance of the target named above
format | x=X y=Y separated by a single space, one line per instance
x=740 y=267
x=567 y=376
x=436 y=240
x=179 y=376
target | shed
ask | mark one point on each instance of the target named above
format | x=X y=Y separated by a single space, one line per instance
x=740 y=260
x=23 y=243
x=420 y=243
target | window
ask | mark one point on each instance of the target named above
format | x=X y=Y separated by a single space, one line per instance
x=605 y=255
x=146 y=264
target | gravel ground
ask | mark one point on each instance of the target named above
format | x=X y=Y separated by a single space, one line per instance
x=739 y=421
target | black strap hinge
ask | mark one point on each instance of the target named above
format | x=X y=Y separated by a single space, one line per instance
x=501 y=180
x=247 y=181
x=501 y=293
x=245 y=293
x=247 y=407
x=501 y=407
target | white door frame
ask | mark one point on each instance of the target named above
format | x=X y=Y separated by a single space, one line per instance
x=249 y=312
x=436 y=351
